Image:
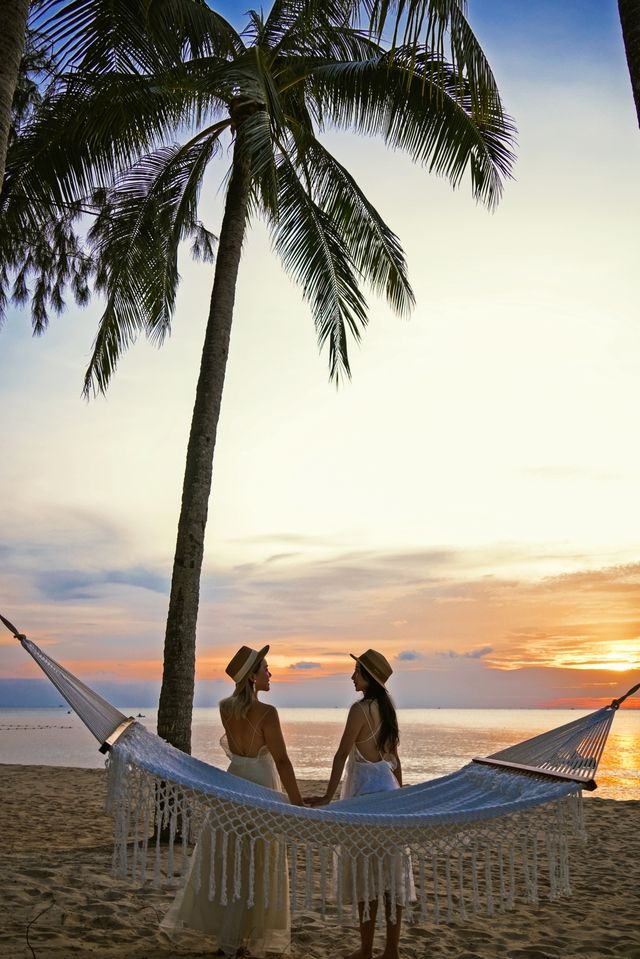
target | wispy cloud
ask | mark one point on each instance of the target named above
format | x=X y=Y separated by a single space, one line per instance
x=72 y=584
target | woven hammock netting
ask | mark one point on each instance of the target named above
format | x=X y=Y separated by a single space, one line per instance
x=474 y=841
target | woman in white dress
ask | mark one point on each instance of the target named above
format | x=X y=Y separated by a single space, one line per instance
x=369 y=749
x=254 y=744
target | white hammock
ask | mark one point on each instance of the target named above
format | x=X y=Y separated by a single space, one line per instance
x=474 y=840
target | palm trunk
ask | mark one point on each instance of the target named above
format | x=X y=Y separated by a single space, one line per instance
x=630 y=21
x=176 y=696
x=13 y=22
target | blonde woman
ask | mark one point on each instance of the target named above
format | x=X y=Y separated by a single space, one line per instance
x=256 y=749
x=369 y=750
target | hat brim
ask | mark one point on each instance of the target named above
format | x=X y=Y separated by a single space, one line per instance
x=378 y=679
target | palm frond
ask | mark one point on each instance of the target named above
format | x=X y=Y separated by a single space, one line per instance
x=134 y=36
x=92 y=128
x=316 y=29
x=436 y=129
x=314 y=253
x=374 y=249
x=441 y=27
x=135 y=241
x=37 y=266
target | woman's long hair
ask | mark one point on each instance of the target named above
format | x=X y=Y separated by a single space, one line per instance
x=238 y=704
x=389 y=734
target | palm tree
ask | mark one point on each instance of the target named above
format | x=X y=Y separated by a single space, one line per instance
x=13 y=22
x=629 y=11
x=271 y=90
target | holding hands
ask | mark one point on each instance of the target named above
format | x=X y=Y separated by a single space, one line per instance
x=317 y=800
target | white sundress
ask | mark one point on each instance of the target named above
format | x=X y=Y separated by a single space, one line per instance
x=260 y=929
x=363 y=879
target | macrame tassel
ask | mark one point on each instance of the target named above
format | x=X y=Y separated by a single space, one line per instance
x=185 y=836
x=512 y=876
x=196 y=865
x=553 y=873
x=172 y=839
x=449 y=890
x=294 y=874
x=280 y=872
x=223 y=880
x=463 y=911
x=369 y=893
x=265 y=873
x=121 y=864
x=565 y=885
x=533 y=878
x=237 y=870
x=381 y=882
x=252 y=873
x=158 y=828
x=475 y=892
x=354 y=886
x=424 y=911
x=308 y=895
x=364 y=864
x=211 y=892
x=501 y=885
x=135 y=838
x=338 y=866
x=436 y=898
x=488 y=880
x=393 y=892
x=145 y=837
x=526 y=868
x=323 y=880
x=406 y=897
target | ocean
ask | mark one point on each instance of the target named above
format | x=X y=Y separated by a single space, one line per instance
x=434 y=742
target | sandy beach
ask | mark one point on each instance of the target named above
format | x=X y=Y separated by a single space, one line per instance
x=58 y=898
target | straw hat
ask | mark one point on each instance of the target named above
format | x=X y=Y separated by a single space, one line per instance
x=244 y=661
x=375 y=664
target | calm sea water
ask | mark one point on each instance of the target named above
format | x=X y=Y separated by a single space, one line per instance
x=434 y=742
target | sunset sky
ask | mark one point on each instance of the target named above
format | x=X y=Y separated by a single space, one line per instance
x=468 y=504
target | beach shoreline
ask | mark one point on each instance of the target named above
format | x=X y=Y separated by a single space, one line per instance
x=59 y=898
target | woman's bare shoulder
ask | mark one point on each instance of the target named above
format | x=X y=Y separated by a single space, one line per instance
x=264 y=713
x=366 y=705
x=357 y=713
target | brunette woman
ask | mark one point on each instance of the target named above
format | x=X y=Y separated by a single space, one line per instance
x=369 y=749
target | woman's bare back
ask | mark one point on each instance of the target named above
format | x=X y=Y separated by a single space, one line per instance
x=367 y=741
x=246 y=736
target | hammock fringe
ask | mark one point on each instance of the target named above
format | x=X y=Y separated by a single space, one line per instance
x=460 y=869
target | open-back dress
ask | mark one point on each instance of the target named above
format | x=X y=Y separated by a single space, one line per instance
x=260 y=928
x=367 y=878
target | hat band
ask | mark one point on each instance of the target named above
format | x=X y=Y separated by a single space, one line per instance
x=246 y=667
x=379 y=678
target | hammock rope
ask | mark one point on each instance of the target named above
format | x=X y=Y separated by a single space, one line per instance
x=475 y=840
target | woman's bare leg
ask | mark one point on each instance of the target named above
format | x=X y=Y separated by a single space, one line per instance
x=367 y=930
x=393 y=932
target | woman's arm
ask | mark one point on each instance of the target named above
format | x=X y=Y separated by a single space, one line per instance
x=275 y=744
x=352 y=730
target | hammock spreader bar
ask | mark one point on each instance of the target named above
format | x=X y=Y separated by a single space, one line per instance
x=589 y=784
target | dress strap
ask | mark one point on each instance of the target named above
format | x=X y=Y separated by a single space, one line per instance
x=256 y=729
x=373 y=733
